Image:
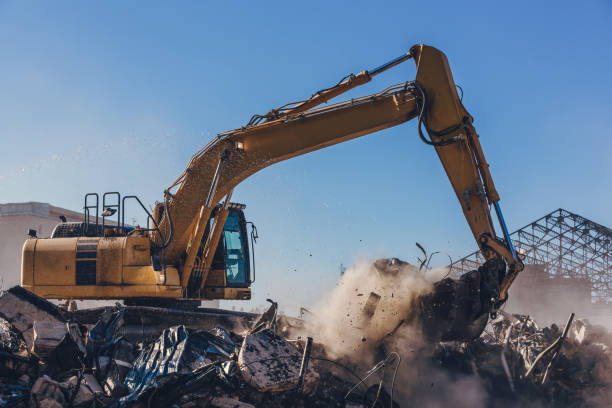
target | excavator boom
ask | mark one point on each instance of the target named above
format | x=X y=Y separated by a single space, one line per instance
x=289 y=132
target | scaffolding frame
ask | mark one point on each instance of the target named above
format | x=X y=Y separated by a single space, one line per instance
x=569 y=245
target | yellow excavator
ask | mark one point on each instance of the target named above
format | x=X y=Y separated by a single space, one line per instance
x=196 y=243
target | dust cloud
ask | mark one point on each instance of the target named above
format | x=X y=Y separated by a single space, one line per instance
x=366 y=305
x=368 y=315
x=365 y=317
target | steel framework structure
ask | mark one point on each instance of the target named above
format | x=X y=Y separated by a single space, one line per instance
x=570 y=246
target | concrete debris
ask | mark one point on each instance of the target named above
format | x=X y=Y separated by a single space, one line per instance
x=22 y=308
x=269 y=363
x=371 y=304
x=507 y=362
x=260 y=366
x=59 y=346
x=83 y=389
x=48 y=393
x=48 y=336
x=76 y=391
x=224 y=402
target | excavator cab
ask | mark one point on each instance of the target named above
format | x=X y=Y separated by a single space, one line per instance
x=231 y=263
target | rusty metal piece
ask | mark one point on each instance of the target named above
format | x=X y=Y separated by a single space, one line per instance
x=305 y=359
x=556 y=346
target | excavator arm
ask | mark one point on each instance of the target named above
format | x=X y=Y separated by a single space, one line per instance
x=299 y=128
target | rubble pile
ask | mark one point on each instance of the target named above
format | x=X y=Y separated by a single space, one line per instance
x=67 y=364
x=513 y=363
x=50 y=359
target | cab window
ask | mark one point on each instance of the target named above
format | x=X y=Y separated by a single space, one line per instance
x=236 y=255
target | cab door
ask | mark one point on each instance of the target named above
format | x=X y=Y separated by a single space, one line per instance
x=235 y=250
x=230 y=267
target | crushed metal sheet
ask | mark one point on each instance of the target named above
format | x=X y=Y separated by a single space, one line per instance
x=178 y=350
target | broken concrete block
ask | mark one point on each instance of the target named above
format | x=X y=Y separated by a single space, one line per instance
x=59 y=345
x=22 y=308
x=47 y=393
x=371 y=304
x=270 y=363
x=224 y=402
x=47 y=336
x=47 y=403
x=84 y=395
x=88 y=388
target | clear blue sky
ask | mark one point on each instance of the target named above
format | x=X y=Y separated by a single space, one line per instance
x=119 y=95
